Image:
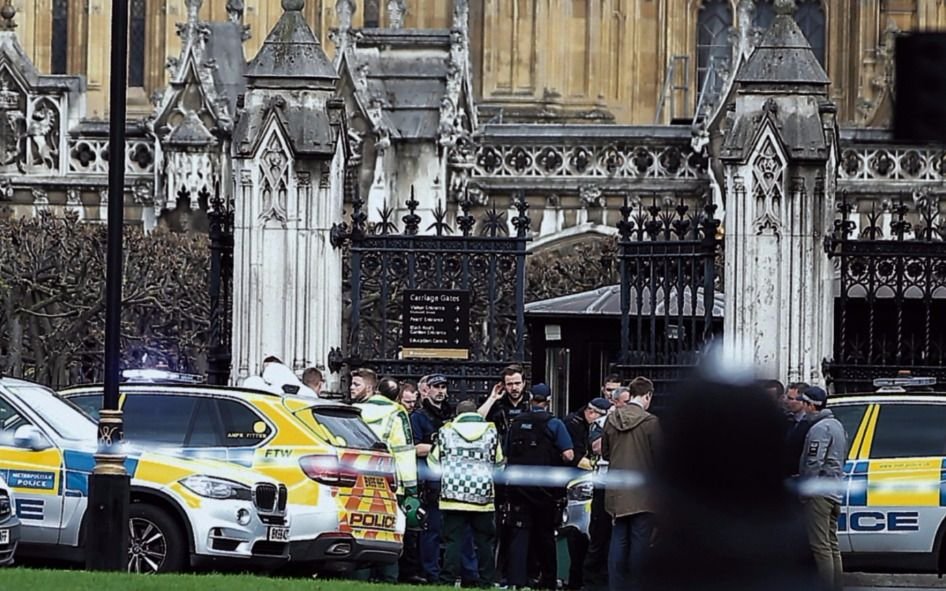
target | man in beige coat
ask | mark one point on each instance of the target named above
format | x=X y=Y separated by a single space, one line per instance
x=630 y=443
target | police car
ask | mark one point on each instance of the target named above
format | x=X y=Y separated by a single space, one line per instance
x=894 y=513
x=9 y=525
x=181 y=510
x=340 y=476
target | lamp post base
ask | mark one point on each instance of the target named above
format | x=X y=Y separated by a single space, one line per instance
x=106 y=532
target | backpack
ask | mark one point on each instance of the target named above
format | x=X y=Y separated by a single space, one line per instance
x=529 y=441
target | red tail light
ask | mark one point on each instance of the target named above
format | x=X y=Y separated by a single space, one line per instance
x=326 y=469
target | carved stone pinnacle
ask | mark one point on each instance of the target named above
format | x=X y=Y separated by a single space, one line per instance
x=785 y=7
x=7 y=13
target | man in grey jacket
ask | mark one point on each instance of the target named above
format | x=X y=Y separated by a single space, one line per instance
x=822 y=464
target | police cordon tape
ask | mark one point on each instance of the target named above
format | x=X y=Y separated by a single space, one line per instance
x=561 y=477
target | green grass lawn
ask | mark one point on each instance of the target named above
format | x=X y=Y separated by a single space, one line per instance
x=27 y=579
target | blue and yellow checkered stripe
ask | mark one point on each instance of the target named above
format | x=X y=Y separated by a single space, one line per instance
x=897 y=482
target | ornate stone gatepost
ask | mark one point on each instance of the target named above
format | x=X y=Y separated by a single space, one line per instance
x=779 y=157
x=288 y=164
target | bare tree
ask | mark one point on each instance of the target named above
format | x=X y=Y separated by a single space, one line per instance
x=52 y=278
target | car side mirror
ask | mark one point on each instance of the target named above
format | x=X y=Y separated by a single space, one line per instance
x=30 y=437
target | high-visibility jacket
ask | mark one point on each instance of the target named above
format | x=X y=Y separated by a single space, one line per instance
x=391 y=423
x=467 y=454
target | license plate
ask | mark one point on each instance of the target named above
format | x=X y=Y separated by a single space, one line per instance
x=4 y=536
x=278 y=534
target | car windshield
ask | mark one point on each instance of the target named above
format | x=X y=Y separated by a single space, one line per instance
x=90 y=404
x=64 y=417
x=339 y=427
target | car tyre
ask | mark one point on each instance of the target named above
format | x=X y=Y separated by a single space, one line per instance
x=156 y=542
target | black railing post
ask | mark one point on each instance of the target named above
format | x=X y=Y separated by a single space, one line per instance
x=220 y=217
x=710 y=245
x=625 y=228
x=522 y=224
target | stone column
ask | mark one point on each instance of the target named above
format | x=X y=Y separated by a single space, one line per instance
x=779 y=158
x=288 y=158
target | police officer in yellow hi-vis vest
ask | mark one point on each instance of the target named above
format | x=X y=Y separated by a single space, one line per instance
x=466 y=454
x=392 y=425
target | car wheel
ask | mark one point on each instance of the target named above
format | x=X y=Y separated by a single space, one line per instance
x=155 y=541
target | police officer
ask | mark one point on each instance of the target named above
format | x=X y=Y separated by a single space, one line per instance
x=434 y=412
x=391 y=424
x=467 y=452
x=599 y=529
x=536 y=441
x=823 y=458
x=507 y=400
x=579 y=428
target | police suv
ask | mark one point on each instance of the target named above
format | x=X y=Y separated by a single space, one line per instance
x=182 y=510
x=894 y=514
x=9 y=525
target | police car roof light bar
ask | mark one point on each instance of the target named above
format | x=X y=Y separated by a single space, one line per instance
x=160 y=375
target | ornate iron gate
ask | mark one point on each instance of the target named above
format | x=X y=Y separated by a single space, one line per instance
x=385 y=260
x=220 y=217
x=668 y=260
x=890 y=311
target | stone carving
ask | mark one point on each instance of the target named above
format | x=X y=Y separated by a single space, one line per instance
x=880 y=63
x=40 y=200
x=396 y=12
x=862 y=165
x=12 y=122
x=591 y=196
x=342 y=35
x=768 y=178
x=274 y=170
x=74 y=203
x=189 y=174
x=143 y=192
x=235 y=10
x=453 y=120
x=594 y=161
x=42 y=146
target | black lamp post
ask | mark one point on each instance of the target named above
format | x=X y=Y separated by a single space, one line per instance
x=106 y=540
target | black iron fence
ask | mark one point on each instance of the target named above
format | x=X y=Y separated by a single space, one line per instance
x=220 y=218
x=890 y=311
x=670 y=308
x=479 y=256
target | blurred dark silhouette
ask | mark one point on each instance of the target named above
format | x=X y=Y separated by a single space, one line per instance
x=726 y=520
x=919 y=113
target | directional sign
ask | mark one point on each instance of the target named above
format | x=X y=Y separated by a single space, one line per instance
x=436 y=324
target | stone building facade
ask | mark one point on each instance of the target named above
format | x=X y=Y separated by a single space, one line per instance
x=623 y=61
x=287 y=109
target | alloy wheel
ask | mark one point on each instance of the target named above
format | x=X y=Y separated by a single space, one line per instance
x=147 y=546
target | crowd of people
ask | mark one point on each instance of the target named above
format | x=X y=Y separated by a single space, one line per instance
x=489 y=477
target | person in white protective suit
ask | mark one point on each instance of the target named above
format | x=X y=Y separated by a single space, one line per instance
x=278 y=378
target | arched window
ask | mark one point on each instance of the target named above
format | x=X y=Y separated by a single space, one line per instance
x=713 y=24
x=59 y=48
x=809 y=16
x=372 y=13
x=137 y=47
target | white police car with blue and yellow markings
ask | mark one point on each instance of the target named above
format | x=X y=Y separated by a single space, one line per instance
x=894 y=511
x=9 y=525
x=182 y=511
